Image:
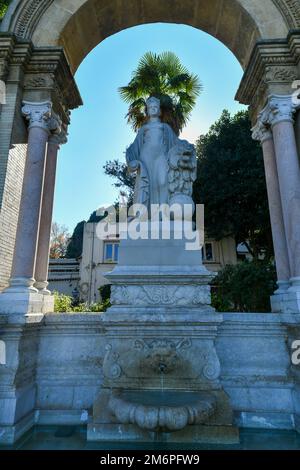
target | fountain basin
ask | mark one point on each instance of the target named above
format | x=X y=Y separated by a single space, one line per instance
x=166 y=411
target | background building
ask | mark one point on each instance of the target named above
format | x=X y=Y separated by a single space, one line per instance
x=100 y=256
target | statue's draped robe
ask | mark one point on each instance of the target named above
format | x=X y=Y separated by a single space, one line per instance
x=151 y=185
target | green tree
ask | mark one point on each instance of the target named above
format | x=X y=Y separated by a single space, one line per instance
x=3 y=7
x=59 y=241
x=123 y=180
x=76 y=241
x=231 y=184
x=162 y=76
x=246 y=287
x=74 y=249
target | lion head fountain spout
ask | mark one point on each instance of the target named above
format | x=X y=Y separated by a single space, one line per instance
x=162 y=368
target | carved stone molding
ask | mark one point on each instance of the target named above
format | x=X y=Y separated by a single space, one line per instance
x=60 y=138
x=280 y=74
x=7 y=45
x=272 y=69
x=111 y=368
x=157 y=295
x=290 y=9
x=27 y=16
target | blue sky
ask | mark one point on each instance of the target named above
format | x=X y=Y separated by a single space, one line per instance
x=99 y=131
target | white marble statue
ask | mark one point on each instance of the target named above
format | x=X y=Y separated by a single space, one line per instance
x=165 y=166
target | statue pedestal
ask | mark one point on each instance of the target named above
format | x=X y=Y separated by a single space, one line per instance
x=161 y=369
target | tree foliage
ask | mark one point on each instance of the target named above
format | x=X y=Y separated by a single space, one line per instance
x=3 y=7
x=123 y=180
x=75 y=245
x=231 y=184
x=162 y=76
x=74 y=249
x=59 y=241
x=246 y=287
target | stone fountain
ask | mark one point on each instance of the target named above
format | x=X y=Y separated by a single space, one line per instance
x=161 y=371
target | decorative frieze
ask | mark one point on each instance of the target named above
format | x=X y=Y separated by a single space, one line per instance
x=158 y=295
x=30 y=13
x=272 y=69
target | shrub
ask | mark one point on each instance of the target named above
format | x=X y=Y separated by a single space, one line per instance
x=245 y=287
x=64 y=303
x=105 y=292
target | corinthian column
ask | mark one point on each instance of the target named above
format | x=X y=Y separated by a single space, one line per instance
x=281 y=111
x=42 y=259
x=264 y=135
x=279 y=114
x=16 y=298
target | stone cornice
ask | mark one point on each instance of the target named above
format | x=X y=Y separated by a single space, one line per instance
x=7 y=44
x=48 y=68
x=272 y=69
x=269 y=62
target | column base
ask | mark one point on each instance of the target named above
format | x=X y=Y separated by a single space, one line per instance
x=287 y=303
x=24 y=303
x=41 y=287
x=283 y=286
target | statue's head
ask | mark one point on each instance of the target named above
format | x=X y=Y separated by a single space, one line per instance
x=153 y=107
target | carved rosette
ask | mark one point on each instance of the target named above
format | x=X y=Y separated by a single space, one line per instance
x=157 y=295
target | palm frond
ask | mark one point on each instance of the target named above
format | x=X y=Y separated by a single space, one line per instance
x=163 y=76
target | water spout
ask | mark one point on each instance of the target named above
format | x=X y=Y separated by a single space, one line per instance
x=162 y=368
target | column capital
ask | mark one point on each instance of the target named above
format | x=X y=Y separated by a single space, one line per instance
x=39 y=114
x=59 y=138
x=280 y=108
x=261 y=132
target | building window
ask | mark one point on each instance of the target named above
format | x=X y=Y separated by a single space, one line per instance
x=208 y=252
x=111 y=252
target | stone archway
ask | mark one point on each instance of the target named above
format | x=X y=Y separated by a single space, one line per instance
x=43 y=43
x=80 y=25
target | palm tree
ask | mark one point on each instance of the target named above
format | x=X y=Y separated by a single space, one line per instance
x=162 y=76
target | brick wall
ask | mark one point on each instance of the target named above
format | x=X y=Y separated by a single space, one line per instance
x=12 y=160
